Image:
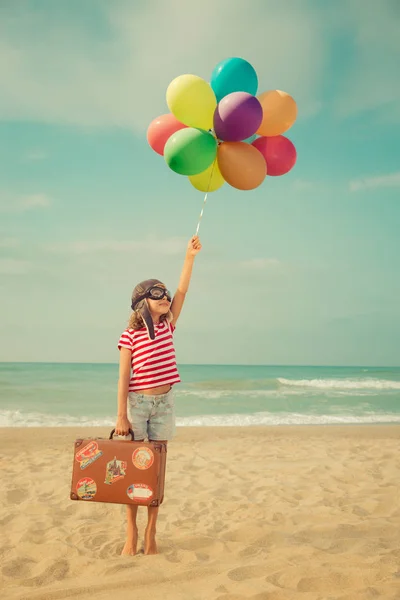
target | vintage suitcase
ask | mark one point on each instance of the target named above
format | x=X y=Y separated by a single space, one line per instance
x=119 y=471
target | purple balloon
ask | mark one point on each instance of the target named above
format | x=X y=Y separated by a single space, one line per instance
x=237 y=117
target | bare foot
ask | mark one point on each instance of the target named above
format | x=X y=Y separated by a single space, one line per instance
x=150 y=546
x=130 y=547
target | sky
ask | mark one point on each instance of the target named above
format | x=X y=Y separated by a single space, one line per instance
x=302 y=270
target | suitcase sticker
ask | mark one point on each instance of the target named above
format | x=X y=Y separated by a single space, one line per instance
x=143 y=458
x=88 y=454
x=86 y=488
x=115 y=470
x=139 y=491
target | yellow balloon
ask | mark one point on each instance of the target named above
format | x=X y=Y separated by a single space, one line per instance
x=202 y=181
x=191 y=99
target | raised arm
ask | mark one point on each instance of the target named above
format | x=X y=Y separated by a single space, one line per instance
x=193 y=248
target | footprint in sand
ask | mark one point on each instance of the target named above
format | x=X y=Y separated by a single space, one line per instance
x=7 y=520
x=18 y=568
x=341 y=546
x=54 y=572
x=97 y=541
x=120 y=567
x=202 y=556
x=16 y=496
x=360 y=511
x=221 y=589
x=173 y=501
x=173 y=557
x=279 y=518
x=218 y=527
x=334 y=582
x=64 y=513
x=108 y=549
x=242 y=573
x=196 y=543
x=250 y=551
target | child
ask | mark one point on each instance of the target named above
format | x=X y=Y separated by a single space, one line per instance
x=147 y=349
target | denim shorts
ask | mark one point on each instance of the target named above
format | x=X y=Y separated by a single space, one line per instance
x=152 y=417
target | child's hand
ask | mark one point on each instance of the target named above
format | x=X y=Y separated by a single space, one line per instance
x=123 y=426
x=194 y=246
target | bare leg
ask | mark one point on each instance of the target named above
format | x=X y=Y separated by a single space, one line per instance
x=150 y=545
x=131 y=529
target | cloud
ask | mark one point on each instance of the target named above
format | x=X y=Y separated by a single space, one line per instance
x=13 y=266
x=260 y=263
x=55 y=67
x=9 y=243
x=370 y=183
x=13 y=203
x=35 y=201
x=35 y=155
x=169 y=246
x=305 y=185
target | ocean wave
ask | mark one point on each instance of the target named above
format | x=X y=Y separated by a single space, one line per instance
x=229 y=385
x=9 y=418
x=274 y=419
x=244 y=393
x=342 y=384
x=18 y=419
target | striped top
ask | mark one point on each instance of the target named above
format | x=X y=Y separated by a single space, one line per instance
x=153 y=361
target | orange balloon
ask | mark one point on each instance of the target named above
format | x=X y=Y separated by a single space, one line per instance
x=279 y=112
x=241 y=165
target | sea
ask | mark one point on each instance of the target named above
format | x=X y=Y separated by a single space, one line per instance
x=63 y=395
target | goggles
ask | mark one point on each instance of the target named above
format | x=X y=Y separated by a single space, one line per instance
x=154 y=293
x=158 y=293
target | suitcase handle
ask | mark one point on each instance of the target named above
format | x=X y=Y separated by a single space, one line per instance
x=130 y=431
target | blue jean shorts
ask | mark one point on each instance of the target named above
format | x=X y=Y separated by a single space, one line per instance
x=152 y=417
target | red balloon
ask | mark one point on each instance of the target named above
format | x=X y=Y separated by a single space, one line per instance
x=279 y=153
x=161 y=129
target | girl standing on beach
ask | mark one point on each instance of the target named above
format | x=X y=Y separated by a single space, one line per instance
x=147 y=372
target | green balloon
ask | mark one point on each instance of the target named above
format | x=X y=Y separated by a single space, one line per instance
x=190 y=151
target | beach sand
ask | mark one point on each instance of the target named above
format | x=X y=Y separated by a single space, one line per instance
x=271 y=513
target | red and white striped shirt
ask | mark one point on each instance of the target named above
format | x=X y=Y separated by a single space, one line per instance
x=153 y=361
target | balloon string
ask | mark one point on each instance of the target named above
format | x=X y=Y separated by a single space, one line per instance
x=205 y=197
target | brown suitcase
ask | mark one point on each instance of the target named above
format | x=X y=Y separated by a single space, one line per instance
x=119 y=471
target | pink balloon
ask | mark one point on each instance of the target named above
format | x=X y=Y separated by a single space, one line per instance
x=279 y=153
x=161 y=129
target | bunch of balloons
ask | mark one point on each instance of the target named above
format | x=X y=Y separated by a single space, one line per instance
x=222 y=131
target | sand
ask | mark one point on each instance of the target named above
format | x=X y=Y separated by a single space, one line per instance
x=281 y=513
